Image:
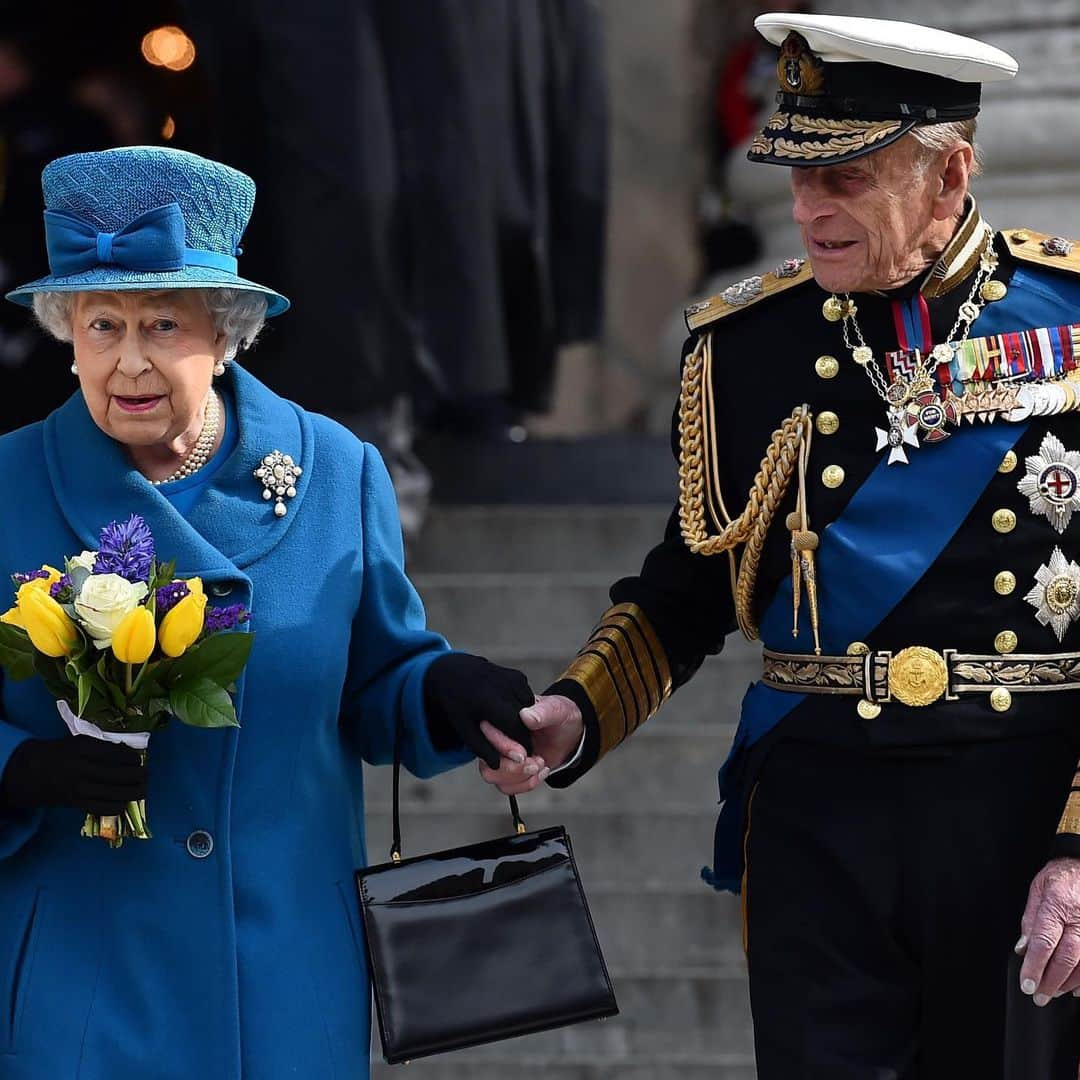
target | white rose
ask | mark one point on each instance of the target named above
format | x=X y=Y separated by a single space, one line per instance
x=104 y=601
x=86 y=560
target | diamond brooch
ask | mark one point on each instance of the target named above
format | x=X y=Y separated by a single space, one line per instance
x=1056 y=595
x=278 y=474
x=1052 y=483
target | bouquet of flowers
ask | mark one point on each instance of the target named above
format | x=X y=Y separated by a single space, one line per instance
x=124 y=646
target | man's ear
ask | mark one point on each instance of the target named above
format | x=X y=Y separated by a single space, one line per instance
x=953 y=177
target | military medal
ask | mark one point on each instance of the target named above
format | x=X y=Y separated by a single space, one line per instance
x=913 y=405
x=1052 y=482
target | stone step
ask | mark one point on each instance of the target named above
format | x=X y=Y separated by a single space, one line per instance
x=662 y=1016
x=484 y=539
x=670 y=1067
x=514 y=612
x=631 y=851
x=665 y=764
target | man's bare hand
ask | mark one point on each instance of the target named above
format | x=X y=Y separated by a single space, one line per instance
x=556 y=725
x=1050 y=932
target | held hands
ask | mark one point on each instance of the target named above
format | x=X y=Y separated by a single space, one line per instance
x=556 y=726
x=1050 y=941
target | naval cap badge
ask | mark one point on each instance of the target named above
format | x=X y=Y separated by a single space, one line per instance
x=798 y=69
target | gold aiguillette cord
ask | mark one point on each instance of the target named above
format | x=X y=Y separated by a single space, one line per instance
x=698 y=484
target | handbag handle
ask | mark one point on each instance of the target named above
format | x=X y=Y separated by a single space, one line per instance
x=395 y=850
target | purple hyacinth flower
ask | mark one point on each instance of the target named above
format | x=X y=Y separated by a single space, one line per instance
x=168 y=596
x=225 y=618
x=60 y=590
x=32 y=575
x=126 y=548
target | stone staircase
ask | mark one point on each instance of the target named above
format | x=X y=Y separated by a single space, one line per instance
x=523 y=586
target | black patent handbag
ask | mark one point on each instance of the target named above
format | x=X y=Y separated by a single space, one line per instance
x=479 y=943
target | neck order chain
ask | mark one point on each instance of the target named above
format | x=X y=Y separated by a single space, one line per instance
x=912 y=403
x=200 y=453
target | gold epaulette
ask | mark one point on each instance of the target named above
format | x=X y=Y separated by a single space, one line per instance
x=625 y=673
x=749 y=291
x=1056 y=252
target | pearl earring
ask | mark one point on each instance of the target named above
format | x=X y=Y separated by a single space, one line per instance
x=74 y=367
x=219 y=368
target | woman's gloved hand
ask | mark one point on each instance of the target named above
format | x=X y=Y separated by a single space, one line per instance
x=88 y=774
x=465 y=694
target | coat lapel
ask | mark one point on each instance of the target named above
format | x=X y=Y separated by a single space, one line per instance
x=230 y=526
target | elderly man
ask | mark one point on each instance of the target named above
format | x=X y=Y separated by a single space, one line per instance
x=893 y=803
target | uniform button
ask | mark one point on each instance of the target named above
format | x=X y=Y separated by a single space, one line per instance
x=199 y=844
x=1004 y=521
x=858 y=648
x=1008 y=463
x=828 y=423
x=1006 y=642
x=1020 y=237
x=868 y=710
x=220 y=588
x=1000 y=699
x=827 y=367
x=832 y=476
x=1004 y=583
x=993 y=291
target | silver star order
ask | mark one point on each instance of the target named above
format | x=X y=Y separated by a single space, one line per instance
x=1056 y=596
x=1052 y=482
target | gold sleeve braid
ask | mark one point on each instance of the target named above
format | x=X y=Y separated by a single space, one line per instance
x=1070 y=820
x=699 y=482
x=624 y=672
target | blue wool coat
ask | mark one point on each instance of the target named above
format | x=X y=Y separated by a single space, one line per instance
x=248 y=962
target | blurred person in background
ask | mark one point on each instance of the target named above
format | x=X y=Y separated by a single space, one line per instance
x=448 y=161
x=38 y=122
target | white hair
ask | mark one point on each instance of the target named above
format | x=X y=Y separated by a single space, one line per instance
x=238 y=313
x=938 y=138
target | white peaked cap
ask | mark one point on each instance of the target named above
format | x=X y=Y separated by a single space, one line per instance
x=839 y=39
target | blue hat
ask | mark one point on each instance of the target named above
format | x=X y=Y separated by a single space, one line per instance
x=144 y=217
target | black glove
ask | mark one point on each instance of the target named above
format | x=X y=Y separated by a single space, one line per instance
x=91 y=775
x=460 y=690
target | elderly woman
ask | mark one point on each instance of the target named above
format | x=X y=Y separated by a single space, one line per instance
x=229 y=944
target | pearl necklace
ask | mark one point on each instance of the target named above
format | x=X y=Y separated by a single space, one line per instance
x=200 y=453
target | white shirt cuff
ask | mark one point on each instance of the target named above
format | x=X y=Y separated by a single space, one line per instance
x=571 y=762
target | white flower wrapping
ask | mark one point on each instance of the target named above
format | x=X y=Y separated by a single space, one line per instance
x=103 y=602
x=137 y=740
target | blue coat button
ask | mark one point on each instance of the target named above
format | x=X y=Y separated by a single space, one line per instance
x=220 y=588
x=199 y=844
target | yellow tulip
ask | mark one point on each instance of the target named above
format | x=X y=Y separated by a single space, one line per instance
x=50 y=630
x=12 y=618
x=182 y=626
x=45 y=584
x=194 y=585
x=133 y=640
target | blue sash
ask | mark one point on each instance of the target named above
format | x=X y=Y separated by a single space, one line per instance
x=949 y=479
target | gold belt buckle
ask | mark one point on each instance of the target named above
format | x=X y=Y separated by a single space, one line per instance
x=918 y=676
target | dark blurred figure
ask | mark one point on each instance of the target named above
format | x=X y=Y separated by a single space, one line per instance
x=433 y=177
x=38 y=122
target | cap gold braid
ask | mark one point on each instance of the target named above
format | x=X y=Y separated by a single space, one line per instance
x=769 y=488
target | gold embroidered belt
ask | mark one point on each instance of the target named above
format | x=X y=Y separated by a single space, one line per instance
x=918 y=675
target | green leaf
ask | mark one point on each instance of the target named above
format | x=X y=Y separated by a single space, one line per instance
x=16 y=652
x=115 y=694
x=85 y=686
x=52 y=674
x=202 y=703
x=78 y=575
x=220 y=659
